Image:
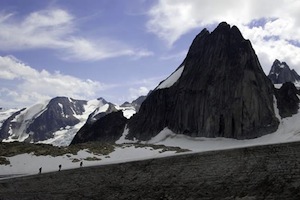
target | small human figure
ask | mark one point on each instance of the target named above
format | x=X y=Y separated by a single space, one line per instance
x=59 y=168
x=40 y=170
x=81 y=164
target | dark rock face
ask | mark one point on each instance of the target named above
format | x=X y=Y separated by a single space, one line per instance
x=109 y=128
x=281 y=73
x=59 y=113
x=222 y=92
x=287 y=100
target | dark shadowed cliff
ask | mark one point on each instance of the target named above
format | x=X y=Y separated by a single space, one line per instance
x=108 y=128
x=222 y=91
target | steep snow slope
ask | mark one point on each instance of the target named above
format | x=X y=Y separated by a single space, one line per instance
x=6 y=113
x=171 y=79
x=17 y=129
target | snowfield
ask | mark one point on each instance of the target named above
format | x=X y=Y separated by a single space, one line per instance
x=27 y=164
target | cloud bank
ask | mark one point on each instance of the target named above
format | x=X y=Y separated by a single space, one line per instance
x=273 y=27
x=56 y=29
x=21 y=85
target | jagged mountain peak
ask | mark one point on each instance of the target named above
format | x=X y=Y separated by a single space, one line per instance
x=219 y=90
x=280 y=73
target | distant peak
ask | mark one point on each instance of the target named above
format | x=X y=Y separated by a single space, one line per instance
x=280 y=73
x=103 y=100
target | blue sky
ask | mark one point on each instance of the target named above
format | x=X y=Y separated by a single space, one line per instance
x=120 y=49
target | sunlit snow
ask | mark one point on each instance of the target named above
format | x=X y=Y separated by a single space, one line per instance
x=171 y=79
x=28 y=164
x=25 y=116
x=4 y=114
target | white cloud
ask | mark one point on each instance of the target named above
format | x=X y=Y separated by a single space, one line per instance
x=56 y=29
x=28 y=86
x=82 y=49
x=43 y=29
x=137 y=92
x=178 y=56
x=171 y=19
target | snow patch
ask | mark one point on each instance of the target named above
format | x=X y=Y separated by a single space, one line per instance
x=61 y=106
x=277 y=86
x=101 y=109
x=171 y=79
x=123 y=140
x=128 y=112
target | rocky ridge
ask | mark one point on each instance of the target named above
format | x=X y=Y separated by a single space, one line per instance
x=281 y=73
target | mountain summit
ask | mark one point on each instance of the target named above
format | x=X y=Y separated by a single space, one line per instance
x=281 y=73
x=219 y=90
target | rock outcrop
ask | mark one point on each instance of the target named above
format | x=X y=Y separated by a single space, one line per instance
x=281 y=73
x=220 y=90
x=108 y=128
x=287 y=100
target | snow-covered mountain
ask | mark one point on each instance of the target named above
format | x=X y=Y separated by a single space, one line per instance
x=281 y=73
x=55 y=121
